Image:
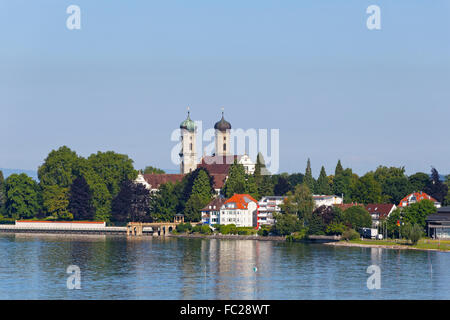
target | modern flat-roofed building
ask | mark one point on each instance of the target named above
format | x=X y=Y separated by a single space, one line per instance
x=438 y=224
x=269 y=205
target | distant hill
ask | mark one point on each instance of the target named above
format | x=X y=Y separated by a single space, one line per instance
x=8 y=172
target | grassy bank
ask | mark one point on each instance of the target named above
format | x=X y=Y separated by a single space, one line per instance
x=423 y=244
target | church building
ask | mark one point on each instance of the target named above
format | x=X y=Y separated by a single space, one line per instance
x=222 y=158
x=217 y=165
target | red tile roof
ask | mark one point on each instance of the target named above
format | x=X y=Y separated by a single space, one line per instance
x=241 y=200
x=218 y=164
x=383 y=209
x=219 y=180
x=156 y=180
x=419 y=197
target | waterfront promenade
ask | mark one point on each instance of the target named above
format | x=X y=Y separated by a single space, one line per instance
x=73 y=229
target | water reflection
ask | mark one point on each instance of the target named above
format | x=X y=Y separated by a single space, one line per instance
x=114 y=267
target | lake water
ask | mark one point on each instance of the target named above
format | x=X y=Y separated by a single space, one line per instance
x=114 y=267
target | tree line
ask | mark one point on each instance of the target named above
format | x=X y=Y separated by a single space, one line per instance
x=100 y=187
x=384 y=185
x=299 y=218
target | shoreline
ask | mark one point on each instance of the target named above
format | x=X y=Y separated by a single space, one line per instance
x=228 y=237
x=382 y=246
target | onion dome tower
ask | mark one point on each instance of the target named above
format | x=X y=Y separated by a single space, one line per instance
x=188 y=153
x=222 y=136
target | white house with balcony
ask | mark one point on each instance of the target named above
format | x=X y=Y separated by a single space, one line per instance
x=269 y=205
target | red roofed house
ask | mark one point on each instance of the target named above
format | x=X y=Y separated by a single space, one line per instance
x=380 y=211
x=241 y=210
x=416 y=197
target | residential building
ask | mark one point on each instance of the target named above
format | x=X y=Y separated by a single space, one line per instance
x=269 y=205
x=416 y=197
x=326 y=200
x=380 y=211
x=211 y=212
x=241 y=210
x=438 y=224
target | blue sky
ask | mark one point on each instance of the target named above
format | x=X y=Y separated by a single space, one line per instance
x=311 y=69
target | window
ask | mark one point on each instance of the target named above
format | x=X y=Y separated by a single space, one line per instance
x=224 y=138
x=190 y=146
x=224 y=147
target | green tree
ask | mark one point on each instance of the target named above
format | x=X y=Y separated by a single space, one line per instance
x=300 y=202
x=22 y=197
x=316 y=226
x=357 y=217
x=418 y=181
x=153 y=170
x=201 y=195
x=339 y=169
x=251 y=186
x=417 y=213
x=59 y=168
x=101 y=197
x=2 y=193
x=56 y=202
x=342 y=181
x=121 y=204
x=366 y=189
x=202 y=186
x=80 y=200
x=394 y=183
x=236 y=181
x=412 y=232
x=113 y=169
x=393 y=229
x=308 y=179
x=132 y=203
x=282 y=186
x=140 y=203
x=323 y=186
x=295 y=179
x=260 y=167
x=286 y=224
x=164 y=203
x=265 y=188
x=436 y=188
x=447 y=198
